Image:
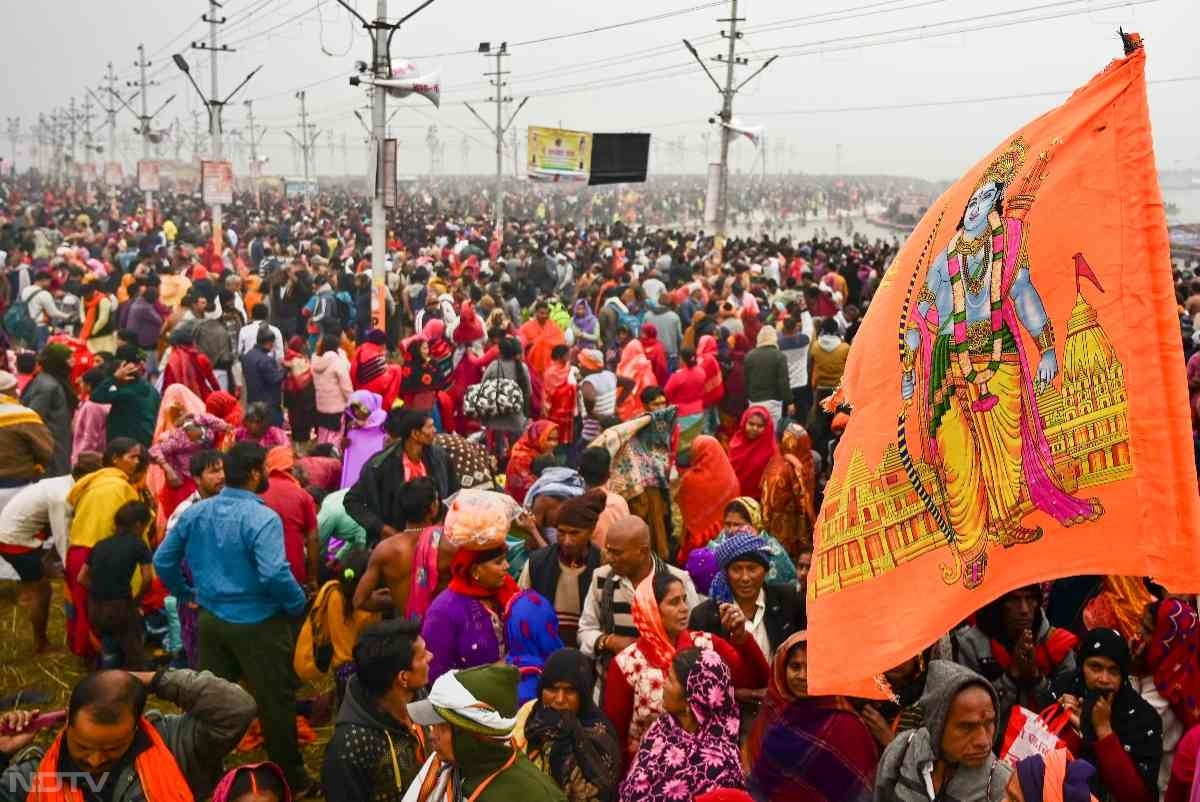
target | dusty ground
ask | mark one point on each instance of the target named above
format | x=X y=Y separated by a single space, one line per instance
x=55 y=674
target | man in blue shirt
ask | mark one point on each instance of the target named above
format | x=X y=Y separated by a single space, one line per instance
x=233 y=545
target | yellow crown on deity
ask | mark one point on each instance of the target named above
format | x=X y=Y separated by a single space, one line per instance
x=1005 y=166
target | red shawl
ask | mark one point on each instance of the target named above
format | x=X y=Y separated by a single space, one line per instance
x=655 y=352
x=750 y=458
x=706 y=487
x=1172 y=654
x=189 y=367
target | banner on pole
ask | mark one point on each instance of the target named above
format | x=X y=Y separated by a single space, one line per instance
x=114 y=174
x=712 y=195
x=88 y=171
x=389 y=173
x=556 y=154
x=379 y=307
x=148 y=175
x=216 y=182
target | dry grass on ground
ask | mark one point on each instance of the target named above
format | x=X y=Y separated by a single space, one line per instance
x=56 y=673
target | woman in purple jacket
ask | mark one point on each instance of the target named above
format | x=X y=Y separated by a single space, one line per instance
x=465 y=624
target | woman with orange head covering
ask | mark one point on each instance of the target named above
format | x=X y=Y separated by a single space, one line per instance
x=540 y=438
x=638 y=373
x=633 y=688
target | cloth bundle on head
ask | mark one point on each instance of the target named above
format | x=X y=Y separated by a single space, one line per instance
x=479 y=519
x=591 y=359
x=1055 y=778
x=767 y=336
x=582 y=512
x=746 y=546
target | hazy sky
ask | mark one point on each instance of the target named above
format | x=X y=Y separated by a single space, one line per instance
x=836 y=58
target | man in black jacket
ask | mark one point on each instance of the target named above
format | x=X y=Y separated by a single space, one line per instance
x=375 y=499
x=376 y=750
x=772 y=612
x=264 y=376
x=550 y=569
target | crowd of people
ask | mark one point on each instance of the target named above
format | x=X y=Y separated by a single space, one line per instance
x=247 y=485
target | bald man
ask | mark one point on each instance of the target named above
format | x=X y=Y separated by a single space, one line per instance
x=606 y=626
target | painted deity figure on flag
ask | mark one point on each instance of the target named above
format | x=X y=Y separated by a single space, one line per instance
x=975 y=379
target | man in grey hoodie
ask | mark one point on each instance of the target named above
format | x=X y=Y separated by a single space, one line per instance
x=949 y=758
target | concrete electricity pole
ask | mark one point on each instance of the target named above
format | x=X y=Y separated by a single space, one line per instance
x=143 y=129
x=255 y=167
x=726 y=114
x=14 y=134
x=214 y=102
x=497 y=80
x=380 y=68
x=306 y=145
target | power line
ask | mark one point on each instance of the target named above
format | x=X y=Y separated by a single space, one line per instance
x=1088 y=8
x=315 y=7
x=571 y=34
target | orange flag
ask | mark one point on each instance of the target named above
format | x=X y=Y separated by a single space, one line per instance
x=1020 y=404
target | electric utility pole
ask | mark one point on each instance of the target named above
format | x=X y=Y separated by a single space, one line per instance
x=727 y=92
x=305 y=144
x=255 y=167
x=144 y=119
x=14 y=134
x=214 y=101
x=496 y=79
x=380 y=68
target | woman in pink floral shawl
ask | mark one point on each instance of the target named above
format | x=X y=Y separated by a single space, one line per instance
x=693 y=747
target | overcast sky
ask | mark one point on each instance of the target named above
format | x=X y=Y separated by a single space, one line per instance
x=637 y=77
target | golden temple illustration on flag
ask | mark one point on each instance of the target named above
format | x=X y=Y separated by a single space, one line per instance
x=874 y=521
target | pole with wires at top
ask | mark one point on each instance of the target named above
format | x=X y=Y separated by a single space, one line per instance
x=214 y=102
x=497 y=80
x=380 y=68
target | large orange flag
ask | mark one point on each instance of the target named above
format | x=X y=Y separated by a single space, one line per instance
x=1020 y=405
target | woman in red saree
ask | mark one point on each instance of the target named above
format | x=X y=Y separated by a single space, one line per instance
x=559 y=393
x=751 y=448
x=704 y=490
x=714 y=381
x=655 y=352
x=540 y=438
x=369 y=370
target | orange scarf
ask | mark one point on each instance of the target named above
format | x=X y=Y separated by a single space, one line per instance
x=157 y=771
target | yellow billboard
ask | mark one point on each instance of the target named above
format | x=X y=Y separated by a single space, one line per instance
x=556 y=154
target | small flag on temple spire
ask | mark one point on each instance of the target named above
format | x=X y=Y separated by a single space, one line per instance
x=1084 y=270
